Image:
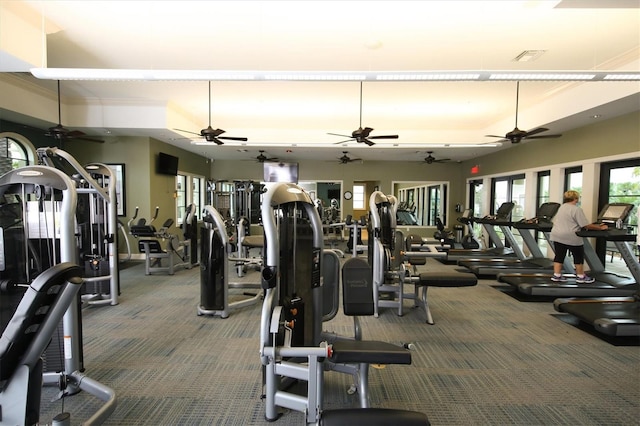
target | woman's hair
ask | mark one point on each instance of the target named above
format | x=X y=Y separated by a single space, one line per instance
x=570 y=196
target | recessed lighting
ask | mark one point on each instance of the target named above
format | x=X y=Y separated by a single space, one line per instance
x=595 y=116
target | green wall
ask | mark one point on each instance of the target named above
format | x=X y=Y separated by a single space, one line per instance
x=619 y=135
x=146 y=189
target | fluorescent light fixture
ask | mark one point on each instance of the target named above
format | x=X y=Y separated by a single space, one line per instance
x=542 y=76
x=316 y=76
x=378 y=145
x=457 y=76
x=622 y=76
x=227 y=75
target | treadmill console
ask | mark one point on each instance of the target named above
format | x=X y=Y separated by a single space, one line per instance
x=613 y=214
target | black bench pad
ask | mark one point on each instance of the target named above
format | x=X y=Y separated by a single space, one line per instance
x=373 y=417
x=439 y=279
x=369 y=352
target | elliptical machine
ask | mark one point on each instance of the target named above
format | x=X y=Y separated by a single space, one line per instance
x=469 y=240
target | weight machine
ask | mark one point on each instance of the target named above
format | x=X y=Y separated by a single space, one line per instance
x=291 y=339
x=150 y=242
x=97 y=219
x=38 y=232
x=214 y=269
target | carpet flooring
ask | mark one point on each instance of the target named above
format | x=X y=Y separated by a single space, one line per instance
x=490 y=359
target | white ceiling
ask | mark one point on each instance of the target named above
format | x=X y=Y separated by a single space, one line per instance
x=337 y=36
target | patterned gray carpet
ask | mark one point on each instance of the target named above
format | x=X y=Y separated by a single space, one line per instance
x=489 y=359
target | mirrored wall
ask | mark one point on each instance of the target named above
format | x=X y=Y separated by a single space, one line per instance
x=420 y=203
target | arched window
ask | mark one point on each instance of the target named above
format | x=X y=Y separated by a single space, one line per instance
x=15 y=151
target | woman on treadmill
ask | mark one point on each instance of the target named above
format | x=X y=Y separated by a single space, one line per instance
x=569 y=220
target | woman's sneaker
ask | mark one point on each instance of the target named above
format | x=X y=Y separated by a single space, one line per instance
x=585 y=279
x=558 y=278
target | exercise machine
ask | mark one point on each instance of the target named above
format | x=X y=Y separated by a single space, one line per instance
x=613 y=316
x=291 y=345
x=38 y=205
x=536 y=262
x=489 y=224
x=469 y=241
x=245 y=243
x=391 y=252
x=606 y=284
x=214 y=269
x=97 y=220
x=150 y=239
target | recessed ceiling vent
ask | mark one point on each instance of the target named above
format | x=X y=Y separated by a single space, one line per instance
x=529 y=55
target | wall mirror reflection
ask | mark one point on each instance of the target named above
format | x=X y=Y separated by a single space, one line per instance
x=421 y=203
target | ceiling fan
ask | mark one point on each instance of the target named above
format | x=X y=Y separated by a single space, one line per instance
x=210 y=134
x=361 y=135
x=261 y=158
x=61 y=133
x=430 y=159
x=517 y=135
x=345 y=159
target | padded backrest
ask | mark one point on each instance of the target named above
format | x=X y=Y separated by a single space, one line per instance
x=330 y=284
x=31 y=314
x=143 y=230
x=357 y=287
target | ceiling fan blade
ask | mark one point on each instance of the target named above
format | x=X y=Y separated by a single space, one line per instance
x=187 y=131
x=384 y=137
x=344 y=141
x=544 y=136
x=494 y=136
x=81 y=138
x=231 y=138
x=338 y=134
x=368 y=142
x=536 y=131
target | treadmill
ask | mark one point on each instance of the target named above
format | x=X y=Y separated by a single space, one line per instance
x=613 y=316
x=488 y=223
x=606 y=284
x=536 y=263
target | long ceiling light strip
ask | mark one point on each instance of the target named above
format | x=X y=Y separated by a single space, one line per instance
x=228 y=75
x=333 y=145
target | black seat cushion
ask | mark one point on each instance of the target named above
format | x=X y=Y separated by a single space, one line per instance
x=440 y=279
x=373 y=417
x=369 y=352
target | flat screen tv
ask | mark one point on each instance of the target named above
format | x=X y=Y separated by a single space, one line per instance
x=280 y=172
x=167 y=164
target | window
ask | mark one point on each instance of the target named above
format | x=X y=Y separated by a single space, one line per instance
x=476 y=203
x=573 y=179
x=189 y=189
x=181 y=197
x=509 y=188
x=358 y=197
x=196 y=191
x=14 y=153
x=543 y=188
